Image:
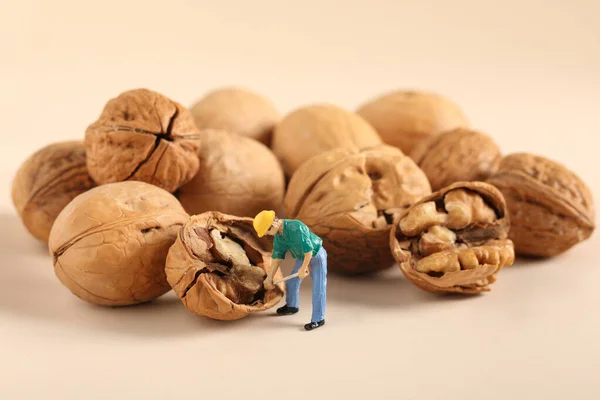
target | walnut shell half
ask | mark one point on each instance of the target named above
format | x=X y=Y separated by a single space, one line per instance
x=460 y=155
x=217 y=267
x=349 y=198
x=314 y=129
x=237 y=175
x=239 y=111
x=109 y=244
x=551 y=208
x=454 y=240
x=46 y=182
x=143 y=136
x=406 y=118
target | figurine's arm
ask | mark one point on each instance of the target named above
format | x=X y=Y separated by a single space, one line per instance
x=275 y=264
x=304 y=269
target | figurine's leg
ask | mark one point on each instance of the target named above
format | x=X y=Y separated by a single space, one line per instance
x=292 y=288
x=319 y=288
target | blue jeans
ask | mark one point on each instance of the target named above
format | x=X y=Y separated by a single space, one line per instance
x=318 y=274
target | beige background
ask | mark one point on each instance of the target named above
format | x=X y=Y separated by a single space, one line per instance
x=527 y=72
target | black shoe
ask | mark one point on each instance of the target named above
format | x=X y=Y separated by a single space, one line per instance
x=285 y=310
x=314 y=325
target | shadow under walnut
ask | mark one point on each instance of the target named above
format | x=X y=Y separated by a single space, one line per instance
x=217 y=267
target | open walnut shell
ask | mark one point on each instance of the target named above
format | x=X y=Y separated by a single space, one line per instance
x=350 y=198
x=454 y=240
x=551 y=208
x=143 y=136
x=217 y=267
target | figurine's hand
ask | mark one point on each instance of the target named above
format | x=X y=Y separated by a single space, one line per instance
x=268 y=284
x=303 y=273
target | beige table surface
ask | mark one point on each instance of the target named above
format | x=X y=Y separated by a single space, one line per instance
x=527 y=72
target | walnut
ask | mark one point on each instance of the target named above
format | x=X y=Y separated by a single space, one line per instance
x=314 y=129
x=46 y=182
x=551 y=208
x=239 y=111
x=406 y=118
x=218 y=265
x=143 y=136
x=237 y=176
x=454 y=240
x=460 y=155
x=109 y=245
x=350 y=199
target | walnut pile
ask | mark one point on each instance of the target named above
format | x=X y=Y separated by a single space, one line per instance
x=404 y=119
x=109 y=244
x=551 y=208
x=454 y=240
x=143 y=136
x=237 y=176
x=314 y=129
x=217 y=267
x=46 y=182
x=239 y=111
x=460 y=155
x=350 y=198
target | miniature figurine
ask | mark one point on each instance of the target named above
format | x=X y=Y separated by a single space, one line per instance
x=307 y=248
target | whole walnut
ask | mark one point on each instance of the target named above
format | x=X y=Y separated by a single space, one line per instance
x=551 y=208
x=405 y=118
x=454 y=240
x=109 y=244
x=143 y=136
x=239 y=111
x=46 y=182
x=350 y=198
x=457 y=155
x=218 y=265
x=314 y=129
x=237 y=176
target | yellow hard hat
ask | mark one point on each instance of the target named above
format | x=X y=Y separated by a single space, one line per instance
x=262 y=222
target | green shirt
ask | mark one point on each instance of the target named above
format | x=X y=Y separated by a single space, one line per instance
x=297 y=239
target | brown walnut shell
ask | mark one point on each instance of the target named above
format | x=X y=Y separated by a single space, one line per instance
x=239 y=111
x=314 y=129
x=109 y=245
x=551 y=208
x=454 y=240
x=46 y=182
x=405 y=118
x=349 y=198
x=218 y=265
x=460 y=155
x=237 y=176
x=143 y=136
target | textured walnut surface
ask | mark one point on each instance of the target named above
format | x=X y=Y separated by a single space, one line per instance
x=406 y=118
x=109 y=245
x=551 y=208
x=350 y=197
x=217 y=267
x=460 y=155
x=46 y=182
x=237 y=176
x=239 y=111
x=314 y=129
x=143 y=136
x=454 y=240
